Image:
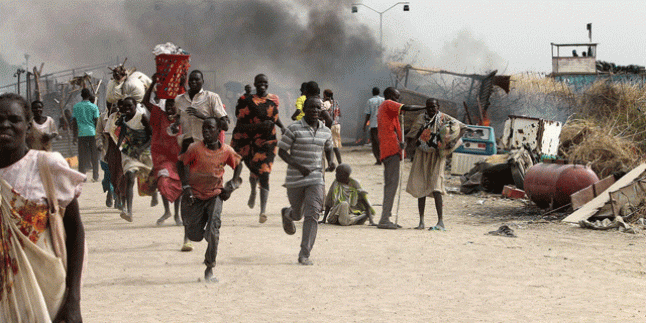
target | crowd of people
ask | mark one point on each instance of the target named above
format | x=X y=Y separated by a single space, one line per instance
x=176 y=147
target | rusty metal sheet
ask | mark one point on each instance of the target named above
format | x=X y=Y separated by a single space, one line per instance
x=541 y=136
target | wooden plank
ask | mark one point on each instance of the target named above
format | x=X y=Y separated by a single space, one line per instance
x=466 y=111
x=586 y=195
x=582 y=197
x=593 y=206
x=602 y=185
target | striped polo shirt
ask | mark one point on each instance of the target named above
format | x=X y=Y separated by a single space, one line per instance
x=306 y=146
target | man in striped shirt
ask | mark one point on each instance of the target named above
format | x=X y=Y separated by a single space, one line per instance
x=301 y=147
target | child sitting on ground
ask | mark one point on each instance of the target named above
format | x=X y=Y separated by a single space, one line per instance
x=346 y=203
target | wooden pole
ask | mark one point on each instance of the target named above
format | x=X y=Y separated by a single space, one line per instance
x=466 y=110
x=37 y=85
x=480 y=110
x=28 y=86
x=401 y=167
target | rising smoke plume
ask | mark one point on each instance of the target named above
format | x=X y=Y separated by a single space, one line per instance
x=230 y=40
x=291 y=42
x=467 y=54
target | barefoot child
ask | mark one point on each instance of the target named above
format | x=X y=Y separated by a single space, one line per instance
x=201 y=169
x=135 y=135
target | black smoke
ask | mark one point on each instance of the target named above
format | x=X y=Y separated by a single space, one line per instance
x=291 y=42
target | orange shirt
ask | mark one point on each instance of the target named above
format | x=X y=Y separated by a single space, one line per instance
x=389 y=129
x=206 y=168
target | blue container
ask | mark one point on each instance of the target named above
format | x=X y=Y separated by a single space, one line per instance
x=478 y=140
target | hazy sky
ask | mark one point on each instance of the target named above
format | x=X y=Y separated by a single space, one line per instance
x=463 y=36
x=520 y=32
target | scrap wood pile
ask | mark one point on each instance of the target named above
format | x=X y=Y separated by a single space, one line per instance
x=622 y=205
x=631 y=216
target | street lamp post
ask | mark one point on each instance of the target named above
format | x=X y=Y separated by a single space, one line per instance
x=355 y=9
x=17 y=74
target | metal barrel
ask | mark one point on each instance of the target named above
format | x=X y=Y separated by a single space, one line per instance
x=552 y=184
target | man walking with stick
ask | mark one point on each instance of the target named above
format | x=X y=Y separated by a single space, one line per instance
x=391 y=146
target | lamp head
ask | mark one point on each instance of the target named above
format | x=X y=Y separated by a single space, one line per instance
x=406 y=7
x=355 y=9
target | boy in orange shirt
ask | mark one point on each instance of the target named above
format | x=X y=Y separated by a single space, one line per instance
x=201 y=169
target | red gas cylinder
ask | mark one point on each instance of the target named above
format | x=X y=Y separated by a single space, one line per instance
x=552 y=184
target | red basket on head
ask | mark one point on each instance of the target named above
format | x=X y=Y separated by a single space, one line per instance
x=171 y=70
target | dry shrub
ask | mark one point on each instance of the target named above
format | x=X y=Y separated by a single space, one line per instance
x=619 y=104
x=537 y=83
x=584 y=141
x=610 y=130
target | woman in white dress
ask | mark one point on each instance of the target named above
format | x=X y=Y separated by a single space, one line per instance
x=42 y=240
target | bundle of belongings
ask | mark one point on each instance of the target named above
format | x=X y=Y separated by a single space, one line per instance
x=168 y=48
x=127 y=83
x=437 y=135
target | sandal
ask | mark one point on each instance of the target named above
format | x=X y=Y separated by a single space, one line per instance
x=388 y=225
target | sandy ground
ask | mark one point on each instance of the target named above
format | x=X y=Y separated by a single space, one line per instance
x=551 y=272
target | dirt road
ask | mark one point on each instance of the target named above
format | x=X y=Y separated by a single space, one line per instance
x=551 y=272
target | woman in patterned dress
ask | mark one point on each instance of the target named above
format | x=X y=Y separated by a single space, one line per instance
x=254 y=138
x=135 y=134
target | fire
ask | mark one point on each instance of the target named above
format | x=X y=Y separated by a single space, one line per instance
x=485 y=120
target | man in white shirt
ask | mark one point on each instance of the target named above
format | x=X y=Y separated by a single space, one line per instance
x=196 y=105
